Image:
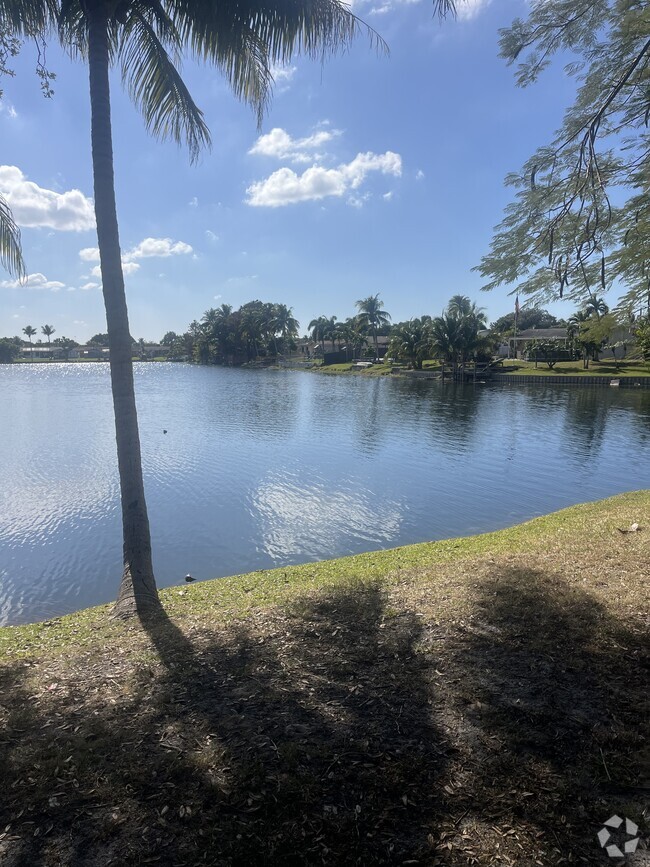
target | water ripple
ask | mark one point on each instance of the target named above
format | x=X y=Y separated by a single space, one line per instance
x=263 y=468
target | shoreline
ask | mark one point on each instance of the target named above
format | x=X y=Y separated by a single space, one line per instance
x=461 y=698
x=622 y=378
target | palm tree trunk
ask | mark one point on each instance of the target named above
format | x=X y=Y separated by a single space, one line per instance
x=137 y=592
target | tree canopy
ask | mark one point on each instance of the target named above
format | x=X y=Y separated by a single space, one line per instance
x=580 y=220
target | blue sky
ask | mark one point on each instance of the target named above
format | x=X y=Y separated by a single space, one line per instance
x=370 y=174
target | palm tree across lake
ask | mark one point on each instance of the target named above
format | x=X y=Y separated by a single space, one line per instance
x=372 y=316
x=29 y=331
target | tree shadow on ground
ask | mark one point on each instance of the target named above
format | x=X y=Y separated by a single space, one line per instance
x=553 y=714
x=355 y=727
x=302 y=737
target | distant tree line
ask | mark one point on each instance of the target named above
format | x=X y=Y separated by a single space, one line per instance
x=260 y=331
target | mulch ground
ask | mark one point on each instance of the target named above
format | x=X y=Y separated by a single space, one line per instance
x=490 y=712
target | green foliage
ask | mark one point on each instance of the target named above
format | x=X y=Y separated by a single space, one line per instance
x=66 y=344
x=412 y=341
x=226 y=336
x=455 y=334
x=549 y=351
x=529 y=317
x=9 y=349
x=642 y=337
x=563 y=235
x=98 y=340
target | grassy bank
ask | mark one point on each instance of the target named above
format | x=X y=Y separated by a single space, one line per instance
x=472 y=701
x=519 y=368
x=376 y=370
x=575 y=368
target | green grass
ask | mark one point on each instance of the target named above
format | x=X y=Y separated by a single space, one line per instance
x=575 y=368
x=237 y=596
x=348 y=370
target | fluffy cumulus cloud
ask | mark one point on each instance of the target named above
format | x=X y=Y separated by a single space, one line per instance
x=280 y=145
x=89 y=254
x=161 y=247
x=285 y=187
x=36 y=207
x=34 y=281
x=149 y=248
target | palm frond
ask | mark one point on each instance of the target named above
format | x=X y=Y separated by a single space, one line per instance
x=26 y=18
x=246 y=39
x=442 y=8
x=10 y=255
x=155 y=85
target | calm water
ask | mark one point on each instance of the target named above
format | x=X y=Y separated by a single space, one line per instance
x=261 y=469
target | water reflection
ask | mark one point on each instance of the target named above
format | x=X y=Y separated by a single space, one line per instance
x=261 y=467
x=319 y=517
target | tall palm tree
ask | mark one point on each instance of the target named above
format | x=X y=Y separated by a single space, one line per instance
x=284 y=324
x=48 y=331
x=147 y=37
x=460 y=307
x=30 y=331
x=372 y=316
x=597 y=306
x=318 y=328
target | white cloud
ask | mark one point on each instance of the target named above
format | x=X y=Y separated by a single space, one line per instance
x=89 y=254
x=8 y=109
x=211 y=236
x=36 y=207
x=358 y=201
x=283 y=73
x=419 y=175
x=90 y=286
x=388 y=196
x=285 y=187
x=468 y=9
x=146 y=249
x=282 y=77
x=280 y=145
x=162 y=247
x=193 y=202
x=34 y=281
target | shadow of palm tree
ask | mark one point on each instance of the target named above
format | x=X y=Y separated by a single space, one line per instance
x=303 y=738
x=552 y=712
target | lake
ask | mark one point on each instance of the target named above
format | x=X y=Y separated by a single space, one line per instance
x=266 y=468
